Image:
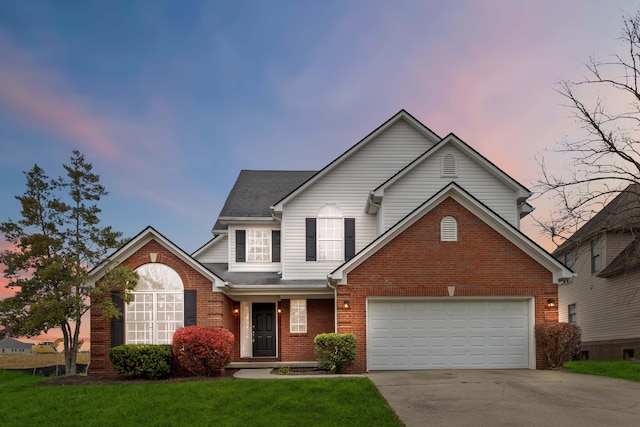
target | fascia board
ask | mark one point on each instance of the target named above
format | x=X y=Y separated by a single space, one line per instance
x=238 y=219
x=402 y=114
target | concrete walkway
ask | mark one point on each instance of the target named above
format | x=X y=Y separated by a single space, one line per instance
x=265 y=374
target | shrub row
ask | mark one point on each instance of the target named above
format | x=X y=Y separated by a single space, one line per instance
x=199 y=350
x=142 y=360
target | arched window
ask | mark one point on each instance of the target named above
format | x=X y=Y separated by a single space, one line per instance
x=449 y=165
x=157 y=307
x=330 y=235
x=449 y=229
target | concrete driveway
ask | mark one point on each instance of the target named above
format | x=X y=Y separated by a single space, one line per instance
x=508 y=398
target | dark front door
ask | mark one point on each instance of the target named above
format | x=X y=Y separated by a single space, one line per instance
x=264 y=329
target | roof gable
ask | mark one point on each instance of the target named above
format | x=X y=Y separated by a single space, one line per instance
x=559 y=271
x=401 y=115
x=136 y=243
x=452 y=139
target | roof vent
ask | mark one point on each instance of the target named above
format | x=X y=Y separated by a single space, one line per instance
x=449 y=165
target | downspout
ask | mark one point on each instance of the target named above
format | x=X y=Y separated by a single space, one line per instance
x=335 y=303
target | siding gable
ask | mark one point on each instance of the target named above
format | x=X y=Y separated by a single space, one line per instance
x=347 y=185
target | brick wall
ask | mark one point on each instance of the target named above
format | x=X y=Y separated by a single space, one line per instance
x=417 y=263
x=295 y=347
x=212 y=308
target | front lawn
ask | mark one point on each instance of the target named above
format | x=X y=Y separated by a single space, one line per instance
x=278 y=402
x=615 y=369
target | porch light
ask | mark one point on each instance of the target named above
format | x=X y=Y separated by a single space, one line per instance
x=346 y=304
x=236 y=309
x=279 y=309
x=551 y=303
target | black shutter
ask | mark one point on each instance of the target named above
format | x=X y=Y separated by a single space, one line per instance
x=310 y=238
x=117 y=323
x=275 y=245
x=190 y=308
x=240 y=246
x=349 y=238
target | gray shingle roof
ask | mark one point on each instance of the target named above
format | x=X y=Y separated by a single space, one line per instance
x=254 y=192
x=12 y=343
x=621 y=212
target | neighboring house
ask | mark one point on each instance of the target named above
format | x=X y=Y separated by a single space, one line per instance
x=13 y=346
x=407 y=240
x=603 y=298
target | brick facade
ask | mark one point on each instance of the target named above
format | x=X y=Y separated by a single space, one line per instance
x=213 y=308
x=416 y=263
x=300 y=347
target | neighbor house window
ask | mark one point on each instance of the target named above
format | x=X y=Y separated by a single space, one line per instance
x=595 y=256
x=449 y=229
x=298 y=316
x=568 y=259
x=157 y=307
x=571 y=317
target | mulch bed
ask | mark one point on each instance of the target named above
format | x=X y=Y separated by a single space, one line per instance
x=65 y=380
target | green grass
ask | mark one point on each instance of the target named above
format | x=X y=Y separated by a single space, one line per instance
x=299 y=402
x=615 y=369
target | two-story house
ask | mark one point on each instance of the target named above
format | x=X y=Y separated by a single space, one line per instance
x=408 y=240
x=603 y=298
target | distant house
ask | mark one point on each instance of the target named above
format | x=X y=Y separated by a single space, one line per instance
x=12 y=346
x=604 y=297
x=407 y=240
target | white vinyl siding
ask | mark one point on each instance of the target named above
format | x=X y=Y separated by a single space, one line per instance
x=348 y=186
x=218 y=252
x=254 y=266
x=424 y=180
x=607 y=308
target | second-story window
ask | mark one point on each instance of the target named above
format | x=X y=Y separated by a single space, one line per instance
x=258 y=245
x=330 y=235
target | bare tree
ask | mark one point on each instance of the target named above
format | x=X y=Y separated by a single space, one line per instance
x=605 y=158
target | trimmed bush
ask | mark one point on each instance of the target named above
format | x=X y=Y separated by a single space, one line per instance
x=559 y=342
x=203 y=351
x=336 y=352
x=142 y=360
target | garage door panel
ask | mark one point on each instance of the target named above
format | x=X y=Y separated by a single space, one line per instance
x=447 y=334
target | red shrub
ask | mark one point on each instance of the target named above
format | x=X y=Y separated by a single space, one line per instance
x=201 y=350
x=559 y=342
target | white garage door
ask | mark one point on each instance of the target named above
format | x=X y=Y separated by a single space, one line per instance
x=427 y=334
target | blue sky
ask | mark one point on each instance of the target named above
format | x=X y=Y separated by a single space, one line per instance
x=169 y=100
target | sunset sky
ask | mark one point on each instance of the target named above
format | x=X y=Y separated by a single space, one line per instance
x=169 y=100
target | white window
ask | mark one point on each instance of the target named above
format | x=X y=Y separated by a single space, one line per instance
x=449 y=165
x=449 y=229
x=298 y=316
x=258 y=245
x=330 y=234
x=157 y=307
